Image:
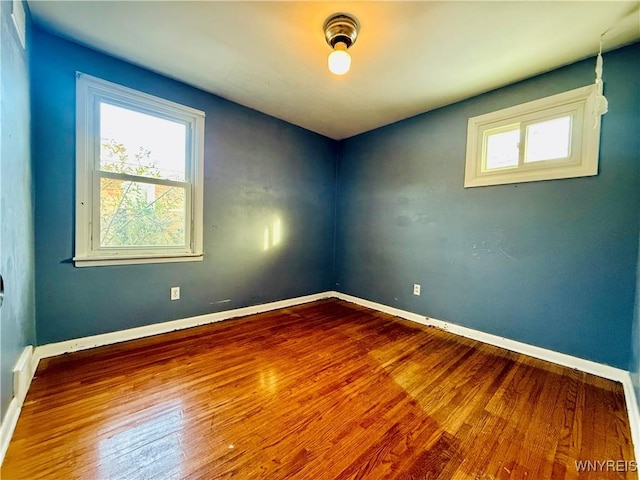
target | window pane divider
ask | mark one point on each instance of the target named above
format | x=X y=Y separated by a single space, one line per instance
x=522 y=145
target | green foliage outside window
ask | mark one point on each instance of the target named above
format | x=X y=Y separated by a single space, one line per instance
x=138 y=213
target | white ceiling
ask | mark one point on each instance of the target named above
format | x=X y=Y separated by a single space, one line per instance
x=410 y=57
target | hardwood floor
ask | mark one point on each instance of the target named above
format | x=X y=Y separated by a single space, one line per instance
x=327 y=390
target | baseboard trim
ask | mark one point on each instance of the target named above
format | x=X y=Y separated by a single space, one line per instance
x=633 y=412
x=29 y=359
x=23 y=373
x=588 y=366
x=59 y=348
x=8 y=426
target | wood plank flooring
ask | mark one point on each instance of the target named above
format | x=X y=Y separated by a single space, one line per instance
x=327 y=390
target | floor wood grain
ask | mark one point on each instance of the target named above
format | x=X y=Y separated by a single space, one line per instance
x=326 y=390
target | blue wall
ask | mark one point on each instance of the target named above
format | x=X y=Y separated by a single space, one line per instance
x=17 y=263
x=257 y=169
x=547 y=263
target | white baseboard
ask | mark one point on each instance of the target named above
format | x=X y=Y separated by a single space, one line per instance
x=634 y=413
x=54 y=349
x=23 y=373
x=28 y=361
x=599 y=369
x=8 y=426
x=563 y=359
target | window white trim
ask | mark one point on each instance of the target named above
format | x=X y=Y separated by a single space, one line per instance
x=580 y=104
x=90 y=91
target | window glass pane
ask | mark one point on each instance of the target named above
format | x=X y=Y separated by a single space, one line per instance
x=138 y=214
x=139 y=144
x=548 y=140
x=502 y=149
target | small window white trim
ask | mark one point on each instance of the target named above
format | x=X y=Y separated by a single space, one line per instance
x=90 y=91
x=580 y=104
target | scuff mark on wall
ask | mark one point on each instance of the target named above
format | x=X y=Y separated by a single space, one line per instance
x=494 y=245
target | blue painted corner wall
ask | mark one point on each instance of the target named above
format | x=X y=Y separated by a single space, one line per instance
x=257 y=169
x=17 y=262
x=551 y=263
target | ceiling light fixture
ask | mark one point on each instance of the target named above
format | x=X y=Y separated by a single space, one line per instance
x=340 y=31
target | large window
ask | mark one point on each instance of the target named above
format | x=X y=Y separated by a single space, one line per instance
x=139 y=170
x=554 y=137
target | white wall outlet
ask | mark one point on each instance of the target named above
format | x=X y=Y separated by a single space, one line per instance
x=175 y=293
x=416 y=289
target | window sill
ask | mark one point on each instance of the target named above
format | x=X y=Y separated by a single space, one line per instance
x=533 y=175
x=135 y=259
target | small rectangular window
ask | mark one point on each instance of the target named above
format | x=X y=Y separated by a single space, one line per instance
x=139 y=177
x=554 y=137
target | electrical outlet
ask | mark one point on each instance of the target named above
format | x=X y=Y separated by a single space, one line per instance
x=175 y=293
x=416 y=289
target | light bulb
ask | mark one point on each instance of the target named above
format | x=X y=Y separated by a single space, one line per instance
x=339 y=59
